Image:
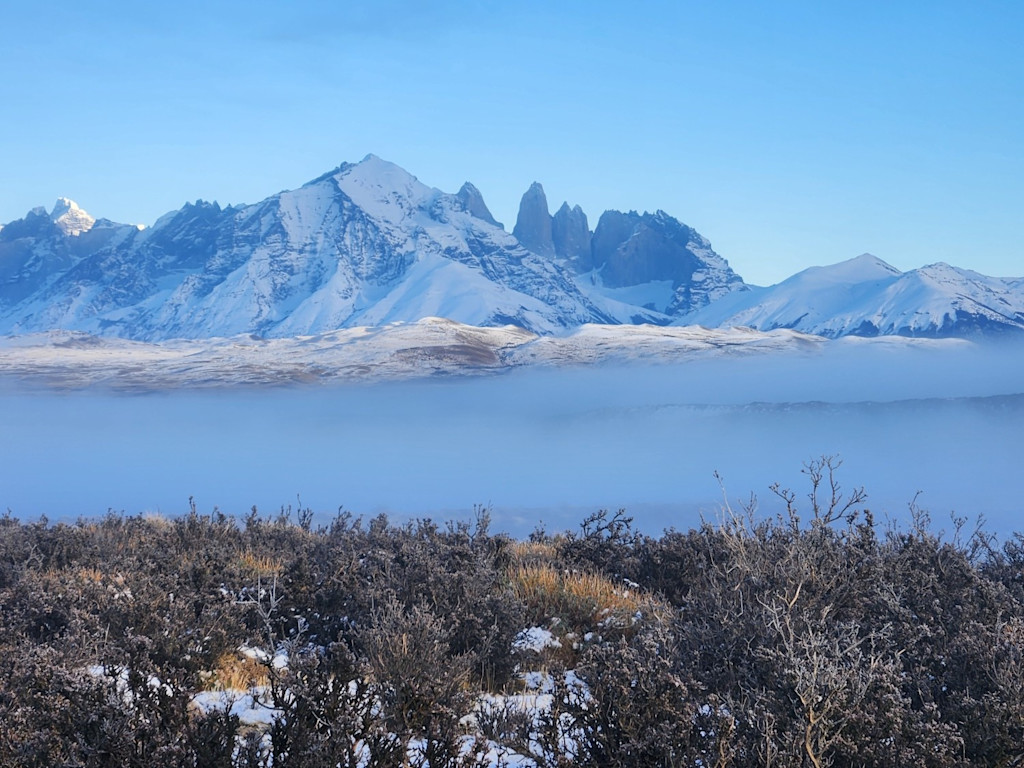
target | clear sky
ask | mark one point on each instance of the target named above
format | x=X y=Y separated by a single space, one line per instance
x=789 y=133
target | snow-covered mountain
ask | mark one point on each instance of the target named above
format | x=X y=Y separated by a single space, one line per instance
x=867 y=297
x=367 y=244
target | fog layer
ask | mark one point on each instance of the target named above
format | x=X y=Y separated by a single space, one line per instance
x=542 y=445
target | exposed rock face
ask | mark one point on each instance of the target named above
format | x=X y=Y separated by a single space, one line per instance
x=633 y=249
x=475 y=205
x=570 y=234
x=533 y=225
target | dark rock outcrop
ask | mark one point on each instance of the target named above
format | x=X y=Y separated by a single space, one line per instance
x=633 y=249
x=570 y=234
x=475 y=205
x=533 y=225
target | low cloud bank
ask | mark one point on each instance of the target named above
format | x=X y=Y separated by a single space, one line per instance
x=545 y=445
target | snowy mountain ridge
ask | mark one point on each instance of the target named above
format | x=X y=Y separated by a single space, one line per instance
x=865 y=296
x=364 y=244
x=368 y=244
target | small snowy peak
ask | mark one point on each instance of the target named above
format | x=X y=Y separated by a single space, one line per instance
x=69 y=218
x=958 y=286
x=941 y=272
x=861 y=269
x=869 y=265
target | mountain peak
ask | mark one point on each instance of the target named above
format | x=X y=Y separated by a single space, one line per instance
x=381 y=187
x=870 y=258
x=474 y=204
x=70 y=218
x=870 y=266
x=570 y=234
x=374 y=165
x=865 y=268
x=533 y=225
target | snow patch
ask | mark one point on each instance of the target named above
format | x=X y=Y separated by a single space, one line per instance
x=535 y=639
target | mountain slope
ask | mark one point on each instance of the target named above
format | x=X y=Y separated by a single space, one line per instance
x=366 y=243
x=867 y=297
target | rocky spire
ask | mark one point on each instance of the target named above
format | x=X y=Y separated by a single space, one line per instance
x=533 y=226
x=474 y=204
x=571 y=236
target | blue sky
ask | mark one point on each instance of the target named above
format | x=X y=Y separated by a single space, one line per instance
x=789 y=133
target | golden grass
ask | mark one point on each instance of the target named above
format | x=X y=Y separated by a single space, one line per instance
x=90 y=574
x=236 y=672
x=582 y=600
x=259 y=565
x=157 y=520
x=531 y=552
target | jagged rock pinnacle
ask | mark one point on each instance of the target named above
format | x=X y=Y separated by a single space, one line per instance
x=475 y=205
x=571 y=235
x=533 y=226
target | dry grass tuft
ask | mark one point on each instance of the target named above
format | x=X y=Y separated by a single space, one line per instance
x=237 y=672
x=90 y=574
x=259 y=565
x=534 y=552
x=157 y=520
x=583 y=601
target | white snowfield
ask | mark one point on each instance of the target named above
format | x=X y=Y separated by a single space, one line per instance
x=430 y=347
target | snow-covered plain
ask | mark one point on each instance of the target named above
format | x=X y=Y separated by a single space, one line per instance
x=540 y=443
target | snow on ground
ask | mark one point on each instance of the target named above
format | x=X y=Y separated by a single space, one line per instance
x=389 y=351
x=250 y=707
x=535 y=639
x=253 y=710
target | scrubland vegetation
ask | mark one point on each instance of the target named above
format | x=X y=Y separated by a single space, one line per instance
x=818 y=637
